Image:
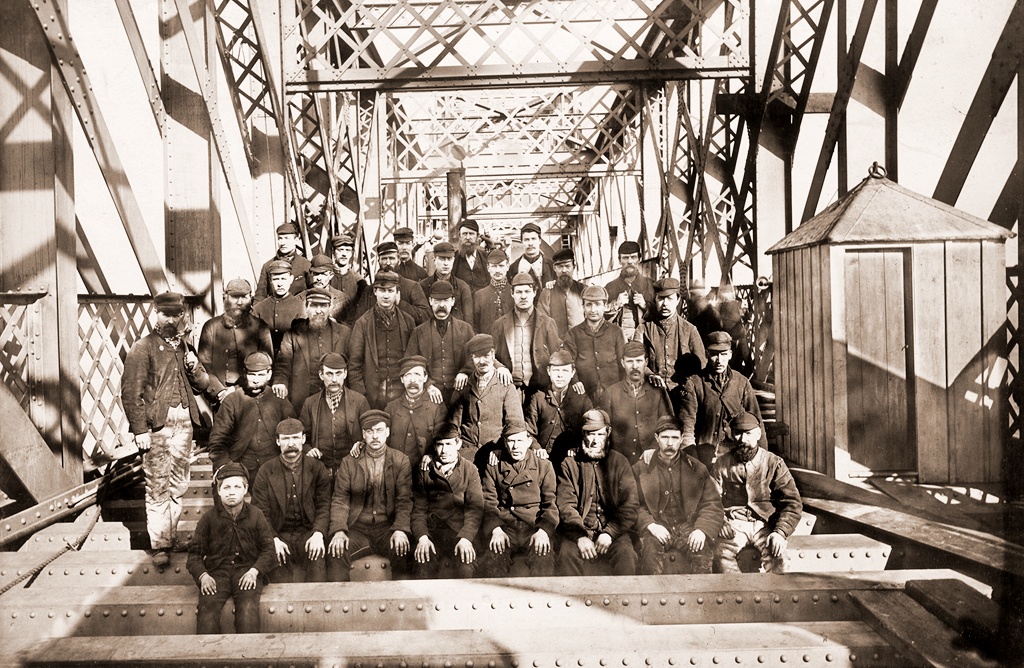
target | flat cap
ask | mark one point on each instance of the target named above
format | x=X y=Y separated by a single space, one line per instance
x=563 y=255
x=444 y=249
x=560 y=358
x=514 y=426
x=469 y=223
x=497 y=256
x=530 y=227
x=403 y=233
x=446 y=431
x=318 y=296
x=595 y=420
x=522 y=278
x=374 y=417
x=169 y=303
x=441 y=290
x=238 y=287
x=633 y=349
x=288 y=228
x=258 y=361
x=719 y=342
x=288 y=427
x=666 y=422
x=629 y=248
x=742 y=422
x=335 y=361
x=480 y=344
x=595 y=293
x=666 y=286
x=385 y=279
x=321 y=264
x=342 y=240
x=279 y=267
x=411 y=362
x=386 y=247
x=230 y=470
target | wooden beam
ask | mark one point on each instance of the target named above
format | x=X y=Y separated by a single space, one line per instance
x=27 y=455
x=976 y=617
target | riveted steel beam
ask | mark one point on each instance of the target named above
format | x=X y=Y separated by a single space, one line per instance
x=131 y=29
x=839 y=644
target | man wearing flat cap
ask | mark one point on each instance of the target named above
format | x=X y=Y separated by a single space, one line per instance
x=673 y=346
x=442 y=340
x=297 y=365
x=319 y=276
x=634 y=405
x=227 y=339
x=157 y=393
x=444 y=260
x=555 y=415
x=680 y=506
x=407 y=267
x=563 y=301
x=288 y=251
x=448 y=507
x=414 y=416
x=712 y=398
x=596 y=345
x=533 y=261
x=411 y=297
x=379 y=340
x=244 y=428
x=281 y=308
x=347 y=279
x=294 y=494
x=494 y=300
x=762 y=503
x=597 y=502
x=525 y=338
x=470 y=260
x=630 y=293
x=231 y=554
x=330 y=417
x=520 y=508
x=486 y=403
x=372 y=503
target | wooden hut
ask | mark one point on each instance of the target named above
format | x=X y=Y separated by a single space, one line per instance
x=890 y=341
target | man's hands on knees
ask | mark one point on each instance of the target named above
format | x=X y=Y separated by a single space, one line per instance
x=587 y=548
x=661 y=533
x=424 y=548
x=400 y=543
x=315 y=546
x=465 y=551
x=499 y=540
x=248 y=579
x=282 y=551
x=776 y=543
x=604 y=543
x=727 y=531
x=207 y=584
x=697 y=540
x=144 y=441
x=339 y=543
x=540 y=542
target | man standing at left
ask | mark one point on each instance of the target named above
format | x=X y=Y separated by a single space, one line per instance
x=157 y=388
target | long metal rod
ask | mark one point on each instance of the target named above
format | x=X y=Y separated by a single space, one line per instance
x=97 y=134
x=149 y=80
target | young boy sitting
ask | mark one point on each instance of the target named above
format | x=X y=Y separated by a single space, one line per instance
x=232 y=553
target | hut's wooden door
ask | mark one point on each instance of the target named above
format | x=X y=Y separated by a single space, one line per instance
x=879 y=397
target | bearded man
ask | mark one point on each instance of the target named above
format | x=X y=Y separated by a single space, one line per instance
x=471 y=261
x=563 y=301
x=227 y=339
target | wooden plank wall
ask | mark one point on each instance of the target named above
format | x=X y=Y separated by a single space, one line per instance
x=929 y=345
x=993 y=336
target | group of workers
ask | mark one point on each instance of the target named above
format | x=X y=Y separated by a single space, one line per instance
x=451 y=421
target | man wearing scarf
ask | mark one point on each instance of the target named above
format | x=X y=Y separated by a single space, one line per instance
x=495 y=300
x=372 y=503
x=630 y=293
x=444 y=260
x=597 y=503
x=330 y=418
x=157 y=394
x=448 y=506
x=378 y=343
x=287 y=250
x=227 y=339
x=762 y=503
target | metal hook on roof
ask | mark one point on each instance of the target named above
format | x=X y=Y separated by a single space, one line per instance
x=876 y=171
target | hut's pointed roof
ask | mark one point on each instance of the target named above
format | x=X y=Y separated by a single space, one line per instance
x=878 y=210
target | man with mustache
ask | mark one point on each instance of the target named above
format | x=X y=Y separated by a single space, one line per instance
x=631 y=292
x=680 y=506
x=378 y=343
x=297 y=366
x=563 y=301
x=442 y=340
x=319 y=276
x=347 y=280
x=673 y=346
x=471 y=262
x=414 y=416
x=330 y=418
x=595 y=345
x=372 y=503
x=407 y=267
x=762 y=503
x=227 y=339
x=712 y=398
x=294 y=494
x=444 y=260
x=533 y=261
x=157 y=393
x=634 y=405
x=244 y=428
x=287 y=251
x=597 y=503
x=495 y=300
x=281 y=308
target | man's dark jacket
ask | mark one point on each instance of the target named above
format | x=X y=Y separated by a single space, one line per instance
x=352 y=492
x=216 y=340
x=458 y=500
x=702 y=503
x=270 y=496
x=212 y=543
x=240 y=419
x=577 y=492
x=149 y=384
x=297 y=365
